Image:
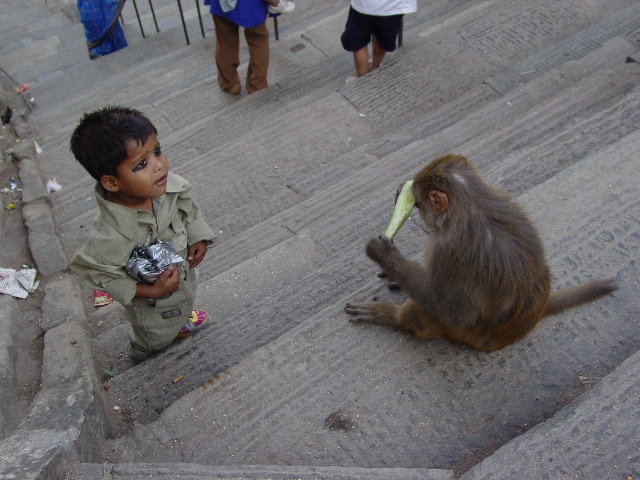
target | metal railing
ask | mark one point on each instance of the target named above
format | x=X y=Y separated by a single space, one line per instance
x=184 y=23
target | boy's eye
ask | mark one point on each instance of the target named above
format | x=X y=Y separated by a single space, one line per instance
x=140 y=166
x=157 y=151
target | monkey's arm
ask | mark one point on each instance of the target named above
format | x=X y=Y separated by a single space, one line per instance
x=411 y=276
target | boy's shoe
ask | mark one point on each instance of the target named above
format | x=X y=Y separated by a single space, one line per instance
x=285 y=6
x=198 y=320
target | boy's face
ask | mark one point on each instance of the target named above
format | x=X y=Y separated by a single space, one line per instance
x=142 y=176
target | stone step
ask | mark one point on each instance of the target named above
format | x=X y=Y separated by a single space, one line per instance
x=136 y=471
x=358 y=173
x=394 y=401
x=94 y=81
x=571 y=110
x=465 y=54
x=17 y=23
x=337 y=219
x=247 y=172
x=67 y=205
x=464 y=119
x=621 y=23
x=86 y=82
x=564 y=444
x=397 y=401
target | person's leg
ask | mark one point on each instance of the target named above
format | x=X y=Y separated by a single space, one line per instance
x=227 y=54
x=156 y=324
x=356 y=38
x=385 y=33
x=258 y=43
x=361 y=59
x=378 y=55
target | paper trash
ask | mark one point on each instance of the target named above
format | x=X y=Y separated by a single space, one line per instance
x=19 y=283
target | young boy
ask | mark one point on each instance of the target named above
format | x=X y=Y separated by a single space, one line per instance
x=377 y=19
x=139 y=202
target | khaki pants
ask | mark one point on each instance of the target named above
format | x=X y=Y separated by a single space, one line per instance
x=155 y=324
x=227 y=54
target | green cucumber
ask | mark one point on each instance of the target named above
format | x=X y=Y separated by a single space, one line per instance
x=404 y=204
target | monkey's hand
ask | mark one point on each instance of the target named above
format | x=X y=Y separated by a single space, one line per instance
x=380 y=249
x=382 y=313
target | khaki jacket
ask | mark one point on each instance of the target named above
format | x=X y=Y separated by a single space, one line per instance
x=117 y=229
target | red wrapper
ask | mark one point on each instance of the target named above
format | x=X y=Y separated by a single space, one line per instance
x=101 y=298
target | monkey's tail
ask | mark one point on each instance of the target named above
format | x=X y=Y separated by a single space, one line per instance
x=573 y=296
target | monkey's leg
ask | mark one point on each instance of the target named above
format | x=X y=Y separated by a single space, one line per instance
x=409 y=317
x=382 y=313
x=413 y=318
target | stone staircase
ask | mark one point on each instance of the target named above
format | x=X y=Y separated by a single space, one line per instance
x=542 y=97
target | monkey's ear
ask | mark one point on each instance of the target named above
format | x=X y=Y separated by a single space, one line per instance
x=439 y=201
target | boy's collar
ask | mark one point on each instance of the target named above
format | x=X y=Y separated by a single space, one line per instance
x=124 y=219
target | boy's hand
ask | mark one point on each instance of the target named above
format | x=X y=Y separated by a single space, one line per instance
x=196 y=253
x=168 y=282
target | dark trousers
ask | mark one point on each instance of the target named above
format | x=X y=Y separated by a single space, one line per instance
x=227 y=54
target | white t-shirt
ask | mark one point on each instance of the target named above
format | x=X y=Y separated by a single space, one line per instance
x=385 y=7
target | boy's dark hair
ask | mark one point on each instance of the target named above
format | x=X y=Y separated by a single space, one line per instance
x=99 y=142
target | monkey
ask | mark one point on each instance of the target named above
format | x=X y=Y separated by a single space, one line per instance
x=484 y=279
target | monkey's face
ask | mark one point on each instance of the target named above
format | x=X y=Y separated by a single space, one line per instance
x=429 y=218
x=433 y=207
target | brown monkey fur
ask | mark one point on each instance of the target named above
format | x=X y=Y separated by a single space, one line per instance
x=484 y=280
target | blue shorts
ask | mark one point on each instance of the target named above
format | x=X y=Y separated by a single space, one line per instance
x=360 y=27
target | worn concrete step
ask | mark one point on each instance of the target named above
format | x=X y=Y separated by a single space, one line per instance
x=397 y=401
x=88 y=91
x=574 y=105
x=163 y=471
x=46 y=59
x=610 y=54
x=98 y=79
x=572 y=102
x=16 y=24
x=569 y=443
x=620 y=23
x=190 y=99
x=338 y=219
x=572 y=88
x=421 y=80
x=574 y=115
x=245 y=172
